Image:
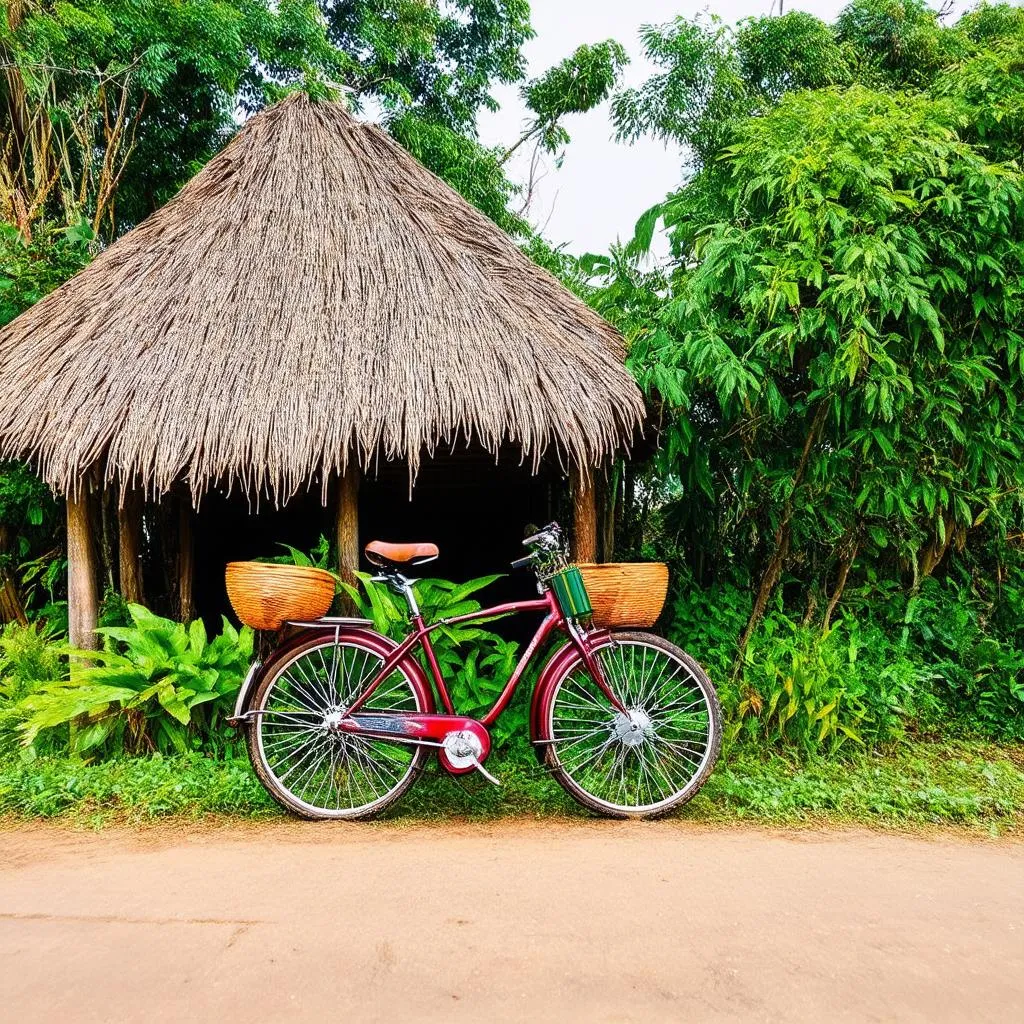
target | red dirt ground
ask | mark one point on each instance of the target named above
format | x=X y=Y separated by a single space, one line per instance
x=512 y=921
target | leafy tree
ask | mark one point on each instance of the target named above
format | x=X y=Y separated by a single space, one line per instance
x=441 y=58
x=987 y=88
x=714 y=75
x=835 y=344
x=28 y=513
x=794 y=51
x=698 y=95
x=109 y=105
x=897 y=42
x=574 y=86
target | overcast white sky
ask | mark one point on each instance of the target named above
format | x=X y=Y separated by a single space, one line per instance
x=603 y=186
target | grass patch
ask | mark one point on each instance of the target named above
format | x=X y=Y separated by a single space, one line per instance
x=922 y=784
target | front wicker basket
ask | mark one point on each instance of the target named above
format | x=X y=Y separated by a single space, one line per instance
x=626 y=593
x=266 y=596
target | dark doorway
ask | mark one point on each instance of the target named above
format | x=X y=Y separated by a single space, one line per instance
x=474 y=510
x=229 y=529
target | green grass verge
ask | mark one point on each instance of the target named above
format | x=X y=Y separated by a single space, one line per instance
x=976 y=785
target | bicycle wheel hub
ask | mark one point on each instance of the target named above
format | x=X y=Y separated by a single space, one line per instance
x=632 y=728
x=332 y=721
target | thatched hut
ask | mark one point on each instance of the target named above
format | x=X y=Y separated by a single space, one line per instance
x=314 y=308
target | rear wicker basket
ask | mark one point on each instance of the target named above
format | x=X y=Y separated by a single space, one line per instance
x=626 y=593
x=265 y=595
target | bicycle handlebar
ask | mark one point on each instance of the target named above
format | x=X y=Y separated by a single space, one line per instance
x=550 y=532
x=522 y=563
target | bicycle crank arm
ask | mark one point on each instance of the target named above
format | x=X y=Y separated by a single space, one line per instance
x=485 y=773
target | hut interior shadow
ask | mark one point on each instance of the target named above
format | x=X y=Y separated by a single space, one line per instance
x=474 y=510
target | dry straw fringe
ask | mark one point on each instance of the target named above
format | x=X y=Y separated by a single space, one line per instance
x=313 y=295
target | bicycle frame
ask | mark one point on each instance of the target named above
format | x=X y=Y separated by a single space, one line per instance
x=553 y=620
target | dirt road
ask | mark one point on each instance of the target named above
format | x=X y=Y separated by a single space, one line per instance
x=588 y=922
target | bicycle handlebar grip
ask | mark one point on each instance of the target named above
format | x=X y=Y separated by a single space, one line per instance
x=544 y=534
x=522 y=563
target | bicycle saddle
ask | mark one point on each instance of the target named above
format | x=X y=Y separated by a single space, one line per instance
x=381 y=553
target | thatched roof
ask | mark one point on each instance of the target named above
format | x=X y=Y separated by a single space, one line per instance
x=313 y=295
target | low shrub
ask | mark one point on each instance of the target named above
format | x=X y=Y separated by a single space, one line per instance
x=29 y=656
x=158 y=686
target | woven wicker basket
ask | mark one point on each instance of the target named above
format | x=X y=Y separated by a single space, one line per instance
x=626 y=593
x=265 y=596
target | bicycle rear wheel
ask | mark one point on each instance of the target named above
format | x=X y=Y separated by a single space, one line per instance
x=653 y=757
x=312 y=770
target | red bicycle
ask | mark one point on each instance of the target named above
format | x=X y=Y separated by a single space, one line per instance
x=341 y=719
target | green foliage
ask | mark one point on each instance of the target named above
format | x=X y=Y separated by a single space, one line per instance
x=27 y=511
x=795 y=51
x=29 y=656
x=695 y=99
x=897 y=42
x=919 y=784
x=438 y=58
x=955 y=784
x=159 y=685
x=475 y=663
x=135 y=96
x=138 y=94
x=978 y=664
x=804 y=690
x=29 y=270
x=132 y=788
x=319 y=558
x=834 y=354
x=712 y=76
x=574 y=86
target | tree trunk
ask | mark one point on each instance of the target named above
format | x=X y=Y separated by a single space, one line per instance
x=11 y=607
x=83 y=598
x=844 y=572
x=933 y=554
x=609 y=494
x=108 y=534
x=186 y=560
x=773 y=570
x=584 y=516
x=347 y=524
x=129 y=532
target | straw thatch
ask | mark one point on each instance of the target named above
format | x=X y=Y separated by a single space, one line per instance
x=314 y=294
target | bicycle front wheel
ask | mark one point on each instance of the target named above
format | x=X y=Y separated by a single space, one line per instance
x=648 y=759
x=312 y=770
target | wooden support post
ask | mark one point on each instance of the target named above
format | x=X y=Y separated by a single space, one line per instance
x=186 y=560
x=129 y=534
x=11 y=608
x=347 y=536
x=83 y=596
x=584 y=516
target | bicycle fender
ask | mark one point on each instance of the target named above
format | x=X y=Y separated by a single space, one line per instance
x=377 y=642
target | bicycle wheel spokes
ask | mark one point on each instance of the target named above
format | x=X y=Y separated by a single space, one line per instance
x=327 y=772
x=646 y=757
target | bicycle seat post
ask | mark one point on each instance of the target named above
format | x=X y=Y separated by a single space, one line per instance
x=410 y=595
x=402 y=585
